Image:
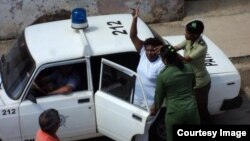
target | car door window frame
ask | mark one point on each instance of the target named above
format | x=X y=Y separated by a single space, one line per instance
x=56 y=64
x=124 y=70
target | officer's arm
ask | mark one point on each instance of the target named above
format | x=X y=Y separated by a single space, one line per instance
x=200 y=51
x=160 y=93
x=181 y=45
x=186 y=58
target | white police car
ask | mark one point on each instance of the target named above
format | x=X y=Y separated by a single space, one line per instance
x=105 y=59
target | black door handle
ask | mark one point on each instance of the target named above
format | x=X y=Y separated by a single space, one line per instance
x=230 y=83
x=137 y=117
x=83 y=100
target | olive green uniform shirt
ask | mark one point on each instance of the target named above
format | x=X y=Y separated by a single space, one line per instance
x=197 y=52
x=176 y=86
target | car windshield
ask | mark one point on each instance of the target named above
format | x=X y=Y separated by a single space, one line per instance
x=16 y=68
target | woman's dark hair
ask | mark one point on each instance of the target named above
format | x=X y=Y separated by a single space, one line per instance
x=49 y=121
x=195 y=27
x=169 y=54
x=153 y=42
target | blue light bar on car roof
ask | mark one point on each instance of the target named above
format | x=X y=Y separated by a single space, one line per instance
x=79 y=18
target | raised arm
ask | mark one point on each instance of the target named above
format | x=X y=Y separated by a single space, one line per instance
x=182 y=46
x=133 y=31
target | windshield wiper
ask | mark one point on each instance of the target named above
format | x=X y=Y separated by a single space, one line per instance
x=1 y=75
x=0 y=83
x=3 y=58
x=1 y=69
x=2 y=61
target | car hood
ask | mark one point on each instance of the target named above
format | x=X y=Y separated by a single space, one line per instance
x=216 y=61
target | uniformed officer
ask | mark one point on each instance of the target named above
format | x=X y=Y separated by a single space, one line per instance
x=195 y=50
x=175 y=85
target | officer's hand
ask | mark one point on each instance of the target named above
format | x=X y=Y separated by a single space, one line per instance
x=158 y=49
x=153 y=110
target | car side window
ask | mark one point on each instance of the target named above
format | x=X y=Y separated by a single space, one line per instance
x=117 y=83
x=62 y=79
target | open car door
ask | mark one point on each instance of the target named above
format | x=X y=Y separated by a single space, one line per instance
x=117 y=117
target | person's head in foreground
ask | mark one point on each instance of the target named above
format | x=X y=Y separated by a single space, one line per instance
x=49 y=121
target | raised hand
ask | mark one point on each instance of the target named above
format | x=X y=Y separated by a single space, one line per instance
x=135 y=11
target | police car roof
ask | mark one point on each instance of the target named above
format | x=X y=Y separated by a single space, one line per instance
x=106 y=34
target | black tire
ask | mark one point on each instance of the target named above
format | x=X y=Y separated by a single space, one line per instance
x=157 y=131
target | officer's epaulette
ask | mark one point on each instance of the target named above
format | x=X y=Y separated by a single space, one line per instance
x=202 y=42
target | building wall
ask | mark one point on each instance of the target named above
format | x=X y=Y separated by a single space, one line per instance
x=16 y=14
